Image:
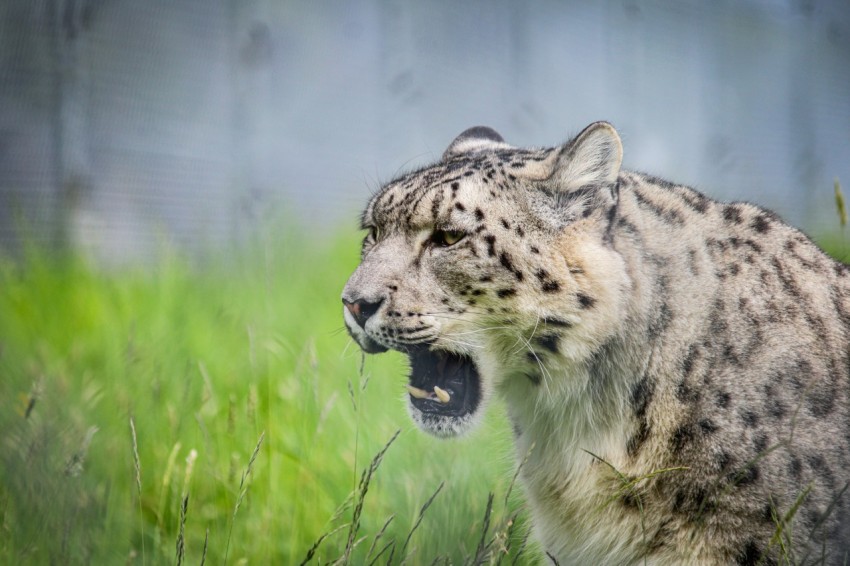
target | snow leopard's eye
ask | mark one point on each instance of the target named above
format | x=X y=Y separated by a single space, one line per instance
x=370 y=240
x=446 y=238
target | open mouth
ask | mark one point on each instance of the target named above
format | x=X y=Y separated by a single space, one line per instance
x=443 y=384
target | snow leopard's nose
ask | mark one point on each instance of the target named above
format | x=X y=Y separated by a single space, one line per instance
x=362 y=310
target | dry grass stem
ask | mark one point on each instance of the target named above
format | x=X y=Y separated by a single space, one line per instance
x=521 y=548
x=190 y=466
x=388 y=546
x=138 y=467
x=137 y=464
x=243 y=489
x=503 y=538
x=181 y=540
x=419 y=519
x=379 y=535
x=312 y=551
x=204 y=553
x=517 y=472
x=481 y=551
x=163 y=494
x=363 y=488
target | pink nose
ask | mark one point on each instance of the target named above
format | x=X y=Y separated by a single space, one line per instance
x=362 y=310
x=353 y=308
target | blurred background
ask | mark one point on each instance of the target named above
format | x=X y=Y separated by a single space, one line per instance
x=125 y=124
x=179 y=187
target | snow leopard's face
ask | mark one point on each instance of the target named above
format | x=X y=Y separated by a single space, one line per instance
x=471 y=267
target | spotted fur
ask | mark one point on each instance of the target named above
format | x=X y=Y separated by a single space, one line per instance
x=676 y=368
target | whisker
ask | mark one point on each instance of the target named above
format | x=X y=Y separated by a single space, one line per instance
x=480 y=312
x=546 y=376
x=462 y=343
x=528 y=341
x=480 y=330
x=455 y=317
x=419 y=338
x=448 y=317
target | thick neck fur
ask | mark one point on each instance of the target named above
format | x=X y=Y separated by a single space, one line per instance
x=579 y=438
x=582 y=403
x=581 y=416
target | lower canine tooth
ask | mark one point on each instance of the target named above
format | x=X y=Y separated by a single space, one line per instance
x=418 y=393
x=442 y=395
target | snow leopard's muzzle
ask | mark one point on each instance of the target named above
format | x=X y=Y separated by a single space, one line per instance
x=356 y=314
x=444 y=388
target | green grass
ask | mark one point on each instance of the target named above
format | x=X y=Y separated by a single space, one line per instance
x=205 y=361
x=257 y=437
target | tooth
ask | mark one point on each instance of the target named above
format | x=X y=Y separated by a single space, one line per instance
x=442 y=395
x=418 y=393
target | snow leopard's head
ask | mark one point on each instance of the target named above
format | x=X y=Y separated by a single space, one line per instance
x=487 y=268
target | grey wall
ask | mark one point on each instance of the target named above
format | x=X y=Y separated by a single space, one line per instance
x=126 y=123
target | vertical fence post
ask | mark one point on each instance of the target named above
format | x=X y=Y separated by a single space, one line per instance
x=73 y=175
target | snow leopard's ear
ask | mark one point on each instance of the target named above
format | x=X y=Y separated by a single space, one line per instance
x=591 y=158
x=475 y=139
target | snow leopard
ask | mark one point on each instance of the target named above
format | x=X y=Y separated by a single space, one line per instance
x=675 y=367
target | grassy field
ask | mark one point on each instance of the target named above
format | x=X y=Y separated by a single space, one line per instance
x=218 y=414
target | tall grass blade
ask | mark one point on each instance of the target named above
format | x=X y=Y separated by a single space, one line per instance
x=481 y=551
x=389 y=545
x=521 y=549
x=243 y=489
x=181 y=540
x=823 y=517
x=517 y=472
x=379 y=535
x=138 y=467
x=74 y=465
x=505 y=536
x=33 y=397
x=163 y=494
x=190 y=466
x=204 y=553
x=312 y=551
x=363 y=488
x=419 y=519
